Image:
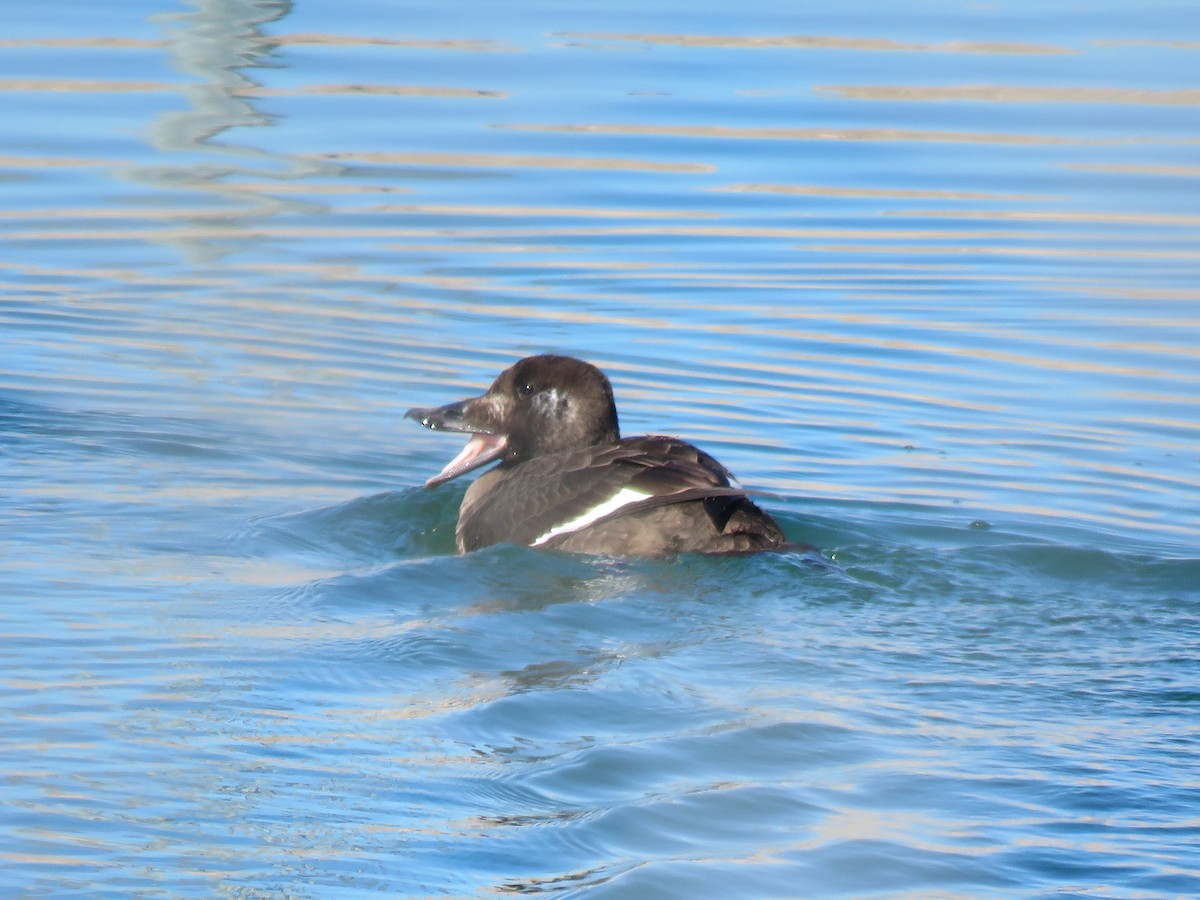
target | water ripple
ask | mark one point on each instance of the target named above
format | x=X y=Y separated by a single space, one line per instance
x=941 y=318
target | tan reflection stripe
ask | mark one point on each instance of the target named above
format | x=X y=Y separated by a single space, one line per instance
x=338 y=40
x=1007 y=94
x=48 y=162
x=550 y=211
x=400 y=90
x=239 y=230
x=81 y=86
x=57 y=85
x=816 y=42
x=116 y=43
x=1141 y=293
x=818 y=191
x=1135 y=42
x=304 y=187
x=503 y=161
x=1048 y=216
x=1081 y=252
x=123 y=43
x=1133 y=169
x=806 y=134
x=134 y=214
x=892 y=271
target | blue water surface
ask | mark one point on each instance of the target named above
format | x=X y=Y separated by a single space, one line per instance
x=924 y=278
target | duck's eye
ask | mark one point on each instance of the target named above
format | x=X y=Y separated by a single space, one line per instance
x=525 y=391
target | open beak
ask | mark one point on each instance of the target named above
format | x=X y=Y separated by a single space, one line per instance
x=485 y=445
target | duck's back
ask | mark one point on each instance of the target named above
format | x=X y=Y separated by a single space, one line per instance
x=686 y=527
x=644 y=496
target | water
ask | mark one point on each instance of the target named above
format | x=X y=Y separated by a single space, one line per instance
x=924 y=277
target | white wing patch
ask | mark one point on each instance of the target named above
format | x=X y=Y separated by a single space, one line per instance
x=623 y=497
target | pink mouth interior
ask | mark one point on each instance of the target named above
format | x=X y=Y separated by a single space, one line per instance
x=480 y=450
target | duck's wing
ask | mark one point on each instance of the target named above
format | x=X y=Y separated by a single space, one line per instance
x=562 y=493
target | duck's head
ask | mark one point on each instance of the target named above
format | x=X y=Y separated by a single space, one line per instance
x=539 y=405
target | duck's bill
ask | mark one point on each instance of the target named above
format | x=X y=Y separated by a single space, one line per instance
x=451 y=417
x=483 y=447
x=480 y=450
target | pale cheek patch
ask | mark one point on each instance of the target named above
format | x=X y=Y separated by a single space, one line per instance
x=624 y=497
x=549 y=401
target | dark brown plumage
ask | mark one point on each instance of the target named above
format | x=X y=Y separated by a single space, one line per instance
x=566 y=480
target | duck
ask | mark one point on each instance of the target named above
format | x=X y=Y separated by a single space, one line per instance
x=564 y=478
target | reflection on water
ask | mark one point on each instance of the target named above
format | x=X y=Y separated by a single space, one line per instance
x=818 y=42
x=928 y=285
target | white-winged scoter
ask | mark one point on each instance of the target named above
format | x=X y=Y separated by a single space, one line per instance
x=567 y=480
